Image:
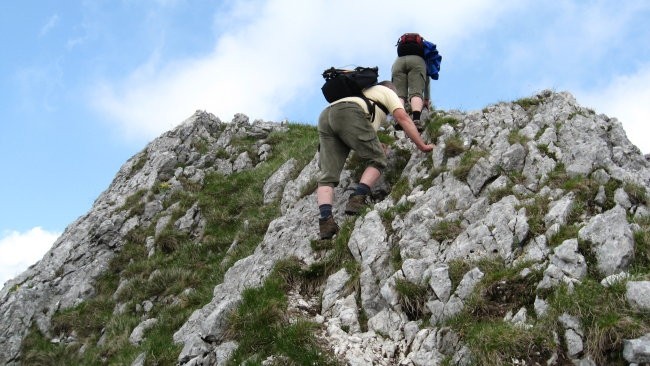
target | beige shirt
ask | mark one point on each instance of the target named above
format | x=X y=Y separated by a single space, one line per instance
x=381 y=94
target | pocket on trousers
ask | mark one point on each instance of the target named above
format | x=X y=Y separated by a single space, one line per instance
x=367 y=137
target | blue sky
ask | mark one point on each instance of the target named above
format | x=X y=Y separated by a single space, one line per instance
x=84 y=85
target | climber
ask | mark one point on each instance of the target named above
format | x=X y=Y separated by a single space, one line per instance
x=417 y=60
x=345 y=125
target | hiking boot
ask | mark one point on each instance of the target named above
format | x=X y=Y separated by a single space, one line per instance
x=356 y=203
x=328 y=227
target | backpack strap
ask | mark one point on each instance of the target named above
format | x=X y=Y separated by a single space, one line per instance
x=371 y=106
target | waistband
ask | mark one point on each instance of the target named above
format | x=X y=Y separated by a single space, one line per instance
x=341 y=102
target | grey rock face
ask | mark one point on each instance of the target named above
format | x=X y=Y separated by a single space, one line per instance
x=637 y=350
x=611 y=240
x=64 y=277
x=274 y=186
x=138 y=332
x=638 y=294
x=487 y=213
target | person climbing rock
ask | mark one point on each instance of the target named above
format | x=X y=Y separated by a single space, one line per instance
x=346 y=125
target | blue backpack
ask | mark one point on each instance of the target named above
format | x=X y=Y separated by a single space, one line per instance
x=432 y=59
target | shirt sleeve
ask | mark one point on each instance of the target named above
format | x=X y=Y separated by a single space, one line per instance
x=388 y=98
x=394 y=102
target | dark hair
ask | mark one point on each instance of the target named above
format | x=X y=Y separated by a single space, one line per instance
x=389 y=84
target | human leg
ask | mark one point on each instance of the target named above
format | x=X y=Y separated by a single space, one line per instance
x=350 y=124
x=370 y=176
x=370 y=150
x=326 y=224
x=416 y=82
x=332 y=156
x=399 y=79
x=325 y=197
x=416 y=106
x=357 y=201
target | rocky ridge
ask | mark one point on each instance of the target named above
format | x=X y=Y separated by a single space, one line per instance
x=475 y=198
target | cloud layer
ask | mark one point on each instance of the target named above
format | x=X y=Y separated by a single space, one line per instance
x=269 y=58
x=626 y=97
x=268 y=55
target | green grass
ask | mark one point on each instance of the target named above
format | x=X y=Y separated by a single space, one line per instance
x=454 y=146
x=585 y=190
x=262 y=329
x=466 y=163
x=400 y=188
x=536 y=209
x=637 y=193
x=515 y=137
x=201 y=145
x=527 y=103
x=393 y=173
x=457 y=269
x=337 y=257
x=260 y=323
x=135 y=203
x=413 y=298
x=495 y=195
x=566 y=232
x=142 y=160
x=446 y=231
x=494 y=342
x=606 y=318
x=641 y=264
x=480 y=326
x=436 y=121
x=427 y=182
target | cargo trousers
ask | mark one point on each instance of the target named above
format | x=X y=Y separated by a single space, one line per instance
x=343 y=127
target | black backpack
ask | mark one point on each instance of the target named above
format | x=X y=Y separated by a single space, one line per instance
x=410 y=44
x=341 y=83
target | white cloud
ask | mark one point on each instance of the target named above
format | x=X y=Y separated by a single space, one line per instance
x=275 y=55
x=49 y=25
x=626 y=98
x=19 y=250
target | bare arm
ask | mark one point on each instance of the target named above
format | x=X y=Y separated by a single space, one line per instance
x=411 y=131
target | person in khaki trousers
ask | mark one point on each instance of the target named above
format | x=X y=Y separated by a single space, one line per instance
x=346 y=125
x=409 y=74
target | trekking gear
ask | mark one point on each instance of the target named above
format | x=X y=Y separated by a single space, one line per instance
x=432 y=59
x=355 y=204
x=328 y=227
x=341 y=83
x=410 y=37
x=410 y=44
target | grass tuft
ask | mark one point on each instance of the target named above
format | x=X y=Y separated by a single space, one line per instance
x=527 y=103
x=436 y=122
x=413 y=298
x=447 y=231
x=466 y=163
x=454 y=146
